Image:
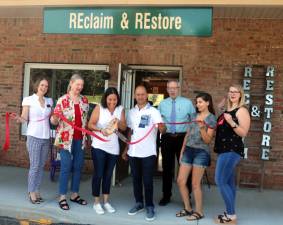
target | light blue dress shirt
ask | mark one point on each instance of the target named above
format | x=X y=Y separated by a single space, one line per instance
x=184 y=110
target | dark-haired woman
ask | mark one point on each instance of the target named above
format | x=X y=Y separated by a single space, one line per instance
x=105 y=154
x=36 y=111
x=195 y=156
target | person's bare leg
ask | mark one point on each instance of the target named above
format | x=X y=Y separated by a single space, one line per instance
x=183 y=175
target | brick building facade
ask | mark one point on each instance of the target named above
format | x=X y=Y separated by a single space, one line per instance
x=208 y=64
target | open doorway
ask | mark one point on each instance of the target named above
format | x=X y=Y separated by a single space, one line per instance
x=156 y=83
x=155 y=78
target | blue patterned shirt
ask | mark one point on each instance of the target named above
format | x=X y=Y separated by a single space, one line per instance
x=194 y=139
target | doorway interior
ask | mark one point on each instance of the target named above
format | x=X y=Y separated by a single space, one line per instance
x=155 y=78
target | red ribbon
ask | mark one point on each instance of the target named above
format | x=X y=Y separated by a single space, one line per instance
x=6 y=145
x=79 y=128
x=9 y=115
x=171 y=123
x=145 y=136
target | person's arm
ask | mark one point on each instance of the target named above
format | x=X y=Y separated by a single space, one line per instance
x=162 y=128
x=122 y=125
x=157 y=119
x=221 y=106
x=126 y=149
x=24 y=116
x=206 y=135
x=184 y=144
x=54 y=119
x=244 y=119
x=92 y=123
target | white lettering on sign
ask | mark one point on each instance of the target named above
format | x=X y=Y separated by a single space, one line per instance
x=247 y=98
x=268 y=112
x=270 y=71
x=269 y=85
x=248 y=71
x=269 y=99
x=145 y=21
x=267 y=126
x=90 y=21
x=265 y=140
x=246 y=153
x=73 y=23
x=268 y=109
x=246 y=85
x=265 y=154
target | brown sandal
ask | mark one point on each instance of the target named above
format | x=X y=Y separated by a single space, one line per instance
x=195 y=216
x=184 y=212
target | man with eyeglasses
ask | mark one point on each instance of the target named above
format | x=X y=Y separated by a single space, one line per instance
x=175 y=108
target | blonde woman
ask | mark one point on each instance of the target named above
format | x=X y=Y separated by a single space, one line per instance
x=74 y=107
x=233 y=125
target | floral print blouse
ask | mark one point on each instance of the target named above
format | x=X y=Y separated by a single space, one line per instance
x=64 y=132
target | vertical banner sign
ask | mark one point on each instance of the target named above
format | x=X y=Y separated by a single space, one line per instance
x=268 y=107
x=268 y=110
x=129 y=21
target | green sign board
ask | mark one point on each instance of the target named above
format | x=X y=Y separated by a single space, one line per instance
x=129 y=21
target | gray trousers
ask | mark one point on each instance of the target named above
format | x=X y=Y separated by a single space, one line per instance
x=38 y=152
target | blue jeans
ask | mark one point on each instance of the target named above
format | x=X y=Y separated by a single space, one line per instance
x=142 y=172
x=195 y=157
x=225 y=178
x=71 y=163
x=103 y=164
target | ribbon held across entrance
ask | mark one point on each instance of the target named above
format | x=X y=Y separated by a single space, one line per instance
x=6 y=145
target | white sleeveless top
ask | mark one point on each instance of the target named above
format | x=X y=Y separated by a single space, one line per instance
x=112 y=146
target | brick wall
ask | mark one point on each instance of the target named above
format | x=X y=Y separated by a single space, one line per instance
x=209 y=64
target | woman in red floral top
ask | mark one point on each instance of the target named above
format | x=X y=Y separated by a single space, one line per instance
x=74 y=107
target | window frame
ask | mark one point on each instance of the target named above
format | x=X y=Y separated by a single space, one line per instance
x=29 y=66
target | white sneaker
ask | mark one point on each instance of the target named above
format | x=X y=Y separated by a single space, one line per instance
x=109 y=207
x=98 y=208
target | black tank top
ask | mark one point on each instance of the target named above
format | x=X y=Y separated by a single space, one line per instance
x=226 y=139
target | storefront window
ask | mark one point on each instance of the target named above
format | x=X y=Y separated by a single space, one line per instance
x=59 y=76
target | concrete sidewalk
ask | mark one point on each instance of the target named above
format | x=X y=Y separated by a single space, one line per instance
x=253 y=207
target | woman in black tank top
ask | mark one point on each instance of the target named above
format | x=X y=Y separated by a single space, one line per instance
x=227 y=140
x=233 y=125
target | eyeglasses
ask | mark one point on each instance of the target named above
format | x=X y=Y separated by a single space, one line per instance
x=233 y=92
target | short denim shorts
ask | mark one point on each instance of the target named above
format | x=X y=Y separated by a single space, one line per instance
x=195 y=157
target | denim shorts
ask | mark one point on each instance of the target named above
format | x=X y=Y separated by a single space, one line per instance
x=195 y=157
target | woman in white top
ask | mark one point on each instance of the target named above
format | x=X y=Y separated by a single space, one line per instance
x=36 y=111
x=105 y=154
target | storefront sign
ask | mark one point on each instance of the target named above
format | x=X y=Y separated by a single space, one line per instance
x=268 y=107
x=129 y=21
